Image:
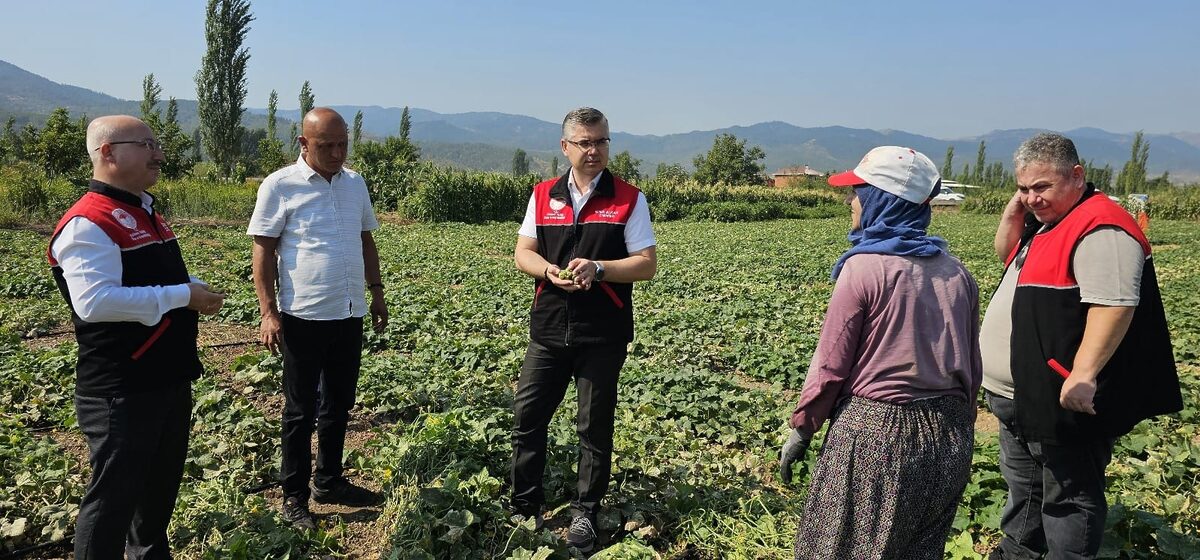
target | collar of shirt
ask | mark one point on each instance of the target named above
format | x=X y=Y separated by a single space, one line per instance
x=578 y=199
x=307 y=171
x=146 y=199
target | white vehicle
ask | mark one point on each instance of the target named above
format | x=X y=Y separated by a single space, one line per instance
x=947 y=196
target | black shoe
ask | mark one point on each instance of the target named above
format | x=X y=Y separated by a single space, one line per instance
x=343 y=492
x=296 y=513
x=522 y=516
x=582 y=535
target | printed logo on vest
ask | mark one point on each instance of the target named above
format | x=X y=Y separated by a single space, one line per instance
x=555 y=213
x=607 y=213
x=125 y=218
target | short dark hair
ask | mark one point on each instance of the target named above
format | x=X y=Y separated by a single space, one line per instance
x=583 y=116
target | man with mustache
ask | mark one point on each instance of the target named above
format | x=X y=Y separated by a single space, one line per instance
x=585 y=239
x=135 y=311
x=1075 y=350
x=312 y=228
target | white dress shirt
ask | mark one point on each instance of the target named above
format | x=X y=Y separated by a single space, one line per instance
x=91 y=264
x=319 y=225
x=638 y=232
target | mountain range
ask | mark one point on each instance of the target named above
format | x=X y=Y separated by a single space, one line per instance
x=487 y=140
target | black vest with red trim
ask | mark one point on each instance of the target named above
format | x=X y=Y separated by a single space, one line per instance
x=603 y=314
x=1048 y=318
x=125 y=357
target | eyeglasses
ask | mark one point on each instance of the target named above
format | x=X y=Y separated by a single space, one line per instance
x=586 y=145
x=148 y=143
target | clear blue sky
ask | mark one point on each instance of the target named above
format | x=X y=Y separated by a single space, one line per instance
x=942 y=68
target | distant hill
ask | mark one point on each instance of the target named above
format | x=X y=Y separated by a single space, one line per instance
x=30 y=98
x=486 y=140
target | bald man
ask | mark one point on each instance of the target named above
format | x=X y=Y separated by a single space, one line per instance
x=312 y=228
x=135 y=309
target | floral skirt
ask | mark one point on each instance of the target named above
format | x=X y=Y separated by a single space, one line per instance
x=888 y=481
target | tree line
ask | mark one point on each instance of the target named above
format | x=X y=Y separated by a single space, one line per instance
x=236 y=153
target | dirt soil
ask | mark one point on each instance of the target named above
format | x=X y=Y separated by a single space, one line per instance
x=220 y=344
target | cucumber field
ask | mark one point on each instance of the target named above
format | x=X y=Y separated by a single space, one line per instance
x=724 y=334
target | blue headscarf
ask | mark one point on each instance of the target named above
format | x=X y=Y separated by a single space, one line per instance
x=890 y=225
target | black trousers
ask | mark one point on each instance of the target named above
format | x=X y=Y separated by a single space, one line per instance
x=138 y=444
x=320 y=377
x=541 y=388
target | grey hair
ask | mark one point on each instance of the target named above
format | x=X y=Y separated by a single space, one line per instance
x=99 y=131
x=583 y=116
x=1050 y=148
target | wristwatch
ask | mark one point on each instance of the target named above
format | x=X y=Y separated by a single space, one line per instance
x=599 y=270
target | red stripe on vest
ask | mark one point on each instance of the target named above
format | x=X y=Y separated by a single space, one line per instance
x=1048 y=262
x=126 y=225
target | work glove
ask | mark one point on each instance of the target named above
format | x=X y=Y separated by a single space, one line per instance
x=793 y=451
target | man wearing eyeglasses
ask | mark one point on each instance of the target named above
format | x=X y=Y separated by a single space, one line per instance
x=135 y=310
x=312 y=227
x=1075 y=350
x=585 y=239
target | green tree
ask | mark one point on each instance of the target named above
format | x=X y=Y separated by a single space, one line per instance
x=357 y=136
x=980 y=164
x=729 y=162
x=672 y=173
x=8 y=141
x=272 y=108
x=554 y=167
x=520 y=163
x=1099 y=176
x=197 y=153
x=1132 y=178
x=948 y=165
x=270 y=149
x=625 y=166
x=177 y=145
x=61 y=146
x=294 y=144
x=408 y=150
x=151 y=95
x=307 y=99
x=221 y=81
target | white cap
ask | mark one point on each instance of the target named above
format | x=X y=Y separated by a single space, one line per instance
x=903 y=172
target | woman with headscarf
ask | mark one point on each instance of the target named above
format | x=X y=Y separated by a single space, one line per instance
x=896 y=372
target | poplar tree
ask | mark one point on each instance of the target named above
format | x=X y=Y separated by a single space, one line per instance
x=175 y=143
x=221 y=81
x=270 y=149
x=948 y=165
x=406 y=149
x=1132 y=178
x=307 y=99
x=520 y=163
x=357 y=134
x=151 y=95
x=980 y=164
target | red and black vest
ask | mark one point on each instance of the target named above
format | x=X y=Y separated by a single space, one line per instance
x=125 y=357
x=603 y=314
x=1048 y=318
